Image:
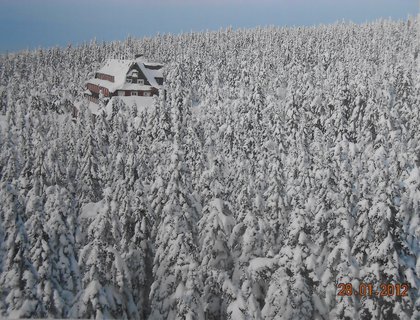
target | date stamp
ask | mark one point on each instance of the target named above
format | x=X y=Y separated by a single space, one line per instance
x=369 y=290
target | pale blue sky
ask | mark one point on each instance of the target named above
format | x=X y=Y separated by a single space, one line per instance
x=45 y=23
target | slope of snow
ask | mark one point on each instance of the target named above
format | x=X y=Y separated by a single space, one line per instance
x=141 y=103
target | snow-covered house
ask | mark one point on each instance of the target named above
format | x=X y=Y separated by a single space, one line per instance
x=125 y=78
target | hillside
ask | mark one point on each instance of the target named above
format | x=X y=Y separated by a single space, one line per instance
x=279 y=179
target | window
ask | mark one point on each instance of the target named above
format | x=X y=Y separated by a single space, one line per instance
x=140 y=81
x=134 y=93
x=146 y=93
x=128 y=80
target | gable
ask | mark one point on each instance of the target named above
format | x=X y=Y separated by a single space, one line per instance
x=141 y=75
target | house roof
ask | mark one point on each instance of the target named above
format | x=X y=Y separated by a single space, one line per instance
x=119 y=68
x=150 y=74
x=116 y=68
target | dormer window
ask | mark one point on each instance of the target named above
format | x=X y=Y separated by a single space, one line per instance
x=128 y=80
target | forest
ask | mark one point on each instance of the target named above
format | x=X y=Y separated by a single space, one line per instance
x=279 y=166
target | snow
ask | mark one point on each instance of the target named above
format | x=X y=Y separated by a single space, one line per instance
x=413 y=179
x=325 y=279
x=257 y=264
x=94 y=108
x=119 y=68
x=25 y=310
x=151 y=74
x=226 y=221
x=411 y=278
x=150 y=64
x=135 y=86
x=112 y=87
x=180 y=291
x=3 y=123
x=91 y=209
x=326 y=218
x=318 y=304
x=235 y=309
x=385 y=246
x=142 y=103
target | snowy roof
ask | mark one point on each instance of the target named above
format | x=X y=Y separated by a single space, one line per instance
x=150 y=75
x=142 y=60
x=152 y=64
x=119 y=68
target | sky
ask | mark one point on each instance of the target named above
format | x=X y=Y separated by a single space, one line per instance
x=29 y=24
